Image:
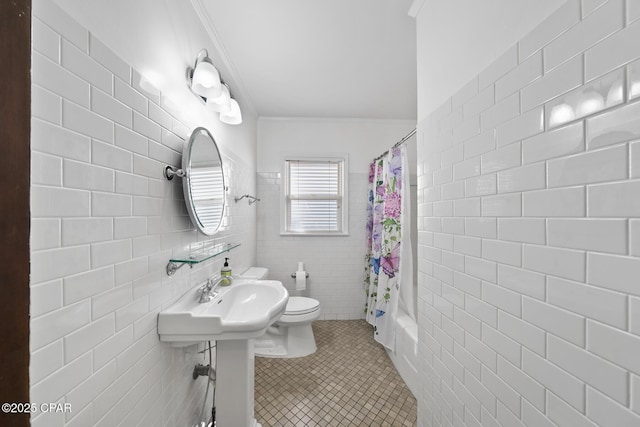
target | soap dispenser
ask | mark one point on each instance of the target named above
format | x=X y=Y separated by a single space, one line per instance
x=225 y=273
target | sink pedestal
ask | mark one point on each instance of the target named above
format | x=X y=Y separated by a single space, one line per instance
x=232 y=318
x=234 y=383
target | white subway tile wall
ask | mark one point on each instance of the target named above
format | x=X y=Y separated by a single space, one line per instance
x=335 y=275
x=104 y=224
x=528 y=288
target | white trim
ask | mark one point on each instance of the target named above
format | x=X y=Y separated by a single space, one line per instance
x=409 y=122
x=344 y=220
x=314 y=157
x=315 y=234
x=415 y=8
x=238 y=88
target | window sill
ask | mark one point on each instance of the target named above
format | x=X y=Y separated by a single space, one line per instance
x=316 y=234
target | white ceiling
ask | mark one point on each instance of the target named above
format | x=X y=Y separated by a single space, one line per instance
x=318 y=58
x=282 y=58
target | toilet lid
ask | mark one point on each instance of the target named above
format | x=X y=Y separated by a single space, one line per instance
x=301 y=305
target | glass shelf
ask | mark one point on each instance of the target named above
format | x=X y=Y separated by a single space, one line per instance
x=198 y=255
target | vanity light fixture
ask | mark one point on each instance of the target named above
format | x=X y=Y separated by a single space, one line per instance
x=222 y=103
x=204 y=81
x=233 y=116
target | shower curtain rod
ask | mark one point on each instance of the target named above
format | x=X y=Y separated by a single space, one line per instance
x=397 y=144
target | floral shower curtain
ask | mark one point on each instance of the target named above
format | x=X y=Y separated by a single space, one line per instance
x=387 y=213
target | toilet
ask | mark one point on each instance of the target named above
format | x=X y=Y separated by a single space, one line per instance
x=291 y=335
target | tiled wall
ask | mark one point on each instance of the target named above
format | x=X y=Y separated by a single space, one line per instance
x=335 y=264
x=529 y=242
x=104 y=225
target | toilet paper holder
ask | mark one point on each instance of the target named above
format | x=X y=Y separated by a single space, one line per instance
x=293 y=275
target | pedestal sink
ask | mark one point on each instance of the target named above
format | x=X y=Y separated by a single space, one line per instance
x=236 y=315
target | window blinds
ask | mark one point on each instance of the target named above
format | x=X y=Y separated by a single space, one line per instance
x=314 y=195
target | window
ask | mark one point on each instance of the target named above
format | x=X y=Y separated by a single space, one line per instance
x=314 y=196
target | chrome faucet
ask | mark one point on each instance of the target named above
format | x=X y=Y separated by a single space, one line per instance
x=209 y=290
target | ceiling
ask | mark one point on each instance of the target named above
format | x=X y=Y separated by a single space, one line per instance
x=311 y=58
x=281 y=58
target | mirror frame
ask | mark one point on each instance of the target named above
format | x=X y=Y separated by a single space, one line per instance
x=186 y=181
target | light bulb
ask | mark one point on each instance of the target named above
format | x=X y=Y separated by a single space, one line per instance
x=221 y=103
x=233 y=116
x=206 y=80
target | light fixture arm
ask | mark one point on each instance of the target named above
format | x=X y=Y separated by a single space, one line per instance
x=201 y=55
x=190 y=83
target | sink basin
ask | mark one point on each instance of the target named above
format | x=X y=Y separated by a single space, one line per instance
x=241 y=311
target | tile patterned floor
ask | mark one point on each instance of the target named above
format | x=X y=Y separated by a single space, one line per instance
x=349 y=381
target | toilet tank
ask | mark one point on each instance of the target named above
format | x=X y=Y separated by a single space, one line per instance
x=255 y=273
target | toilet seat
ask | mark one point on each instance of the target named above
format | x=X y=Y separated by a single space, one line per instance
x=301 y=305
x=300 y=311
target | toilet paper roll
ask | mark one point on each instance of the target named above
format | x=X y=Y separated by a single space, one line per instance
x=301 y=280
x=300 y=266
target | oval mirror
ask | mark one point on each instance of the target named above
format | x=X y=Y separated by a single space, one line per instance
x=203 y=181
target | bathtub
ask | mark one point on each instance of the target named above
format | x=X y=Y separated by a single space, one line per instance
x=405 y=358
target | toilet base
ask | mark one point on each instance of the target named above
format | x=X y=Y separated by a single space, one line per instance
x=285 y=341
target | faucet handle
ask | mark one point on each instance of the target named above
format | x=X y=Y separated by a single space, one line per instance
x=205 y=292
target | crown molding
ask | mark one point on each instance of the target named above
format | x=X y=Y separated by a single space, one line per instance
x=239 y=86
x=337 y=120
x=415 y=8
